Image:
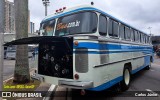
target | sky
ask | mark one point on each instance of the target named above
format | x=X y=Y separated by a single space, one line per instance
x=140 y=14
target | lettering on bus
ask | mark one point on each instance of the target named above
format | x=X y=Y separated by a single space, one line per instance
x=69 y=25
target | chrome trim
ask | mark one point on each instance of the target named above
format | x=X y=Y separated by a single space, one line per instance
x=37 y=77
x=76 y=84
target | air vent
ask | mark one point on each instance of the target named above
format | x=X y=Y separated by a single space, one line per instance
x=81 y=60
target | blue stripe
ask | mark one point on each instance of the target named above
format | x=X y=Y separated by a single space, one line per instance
x=110 y=46
x=110 y=52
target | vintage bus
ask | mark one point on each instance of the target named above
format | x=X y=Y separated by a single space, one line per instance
x=86 y=48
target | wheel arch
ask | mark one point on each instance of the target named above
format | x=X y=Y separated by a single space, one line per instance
x=128 y=65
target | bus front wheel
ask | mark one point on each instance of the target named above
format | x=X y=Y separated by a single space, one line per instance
x=125 y=83
x=149 y=66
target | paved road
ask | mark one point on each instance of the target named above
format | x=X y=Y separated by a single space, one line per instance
x=9 y=65
x=145 y=81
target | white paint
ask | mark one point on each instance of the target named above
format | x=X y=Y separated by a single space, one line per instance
x=52 y=87
x=8 y=79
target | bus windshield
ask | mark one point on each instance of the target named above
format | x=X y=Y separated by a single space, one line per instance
x=82 y=22
x=48 y=28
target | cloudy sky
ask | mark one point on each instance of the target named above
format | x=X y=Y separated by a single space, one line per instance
x=140 y=14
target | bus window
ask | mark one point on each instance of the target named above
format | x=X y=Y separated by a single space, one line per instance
x=78 y=23
x=127 y=33
x=110 y=30
x=121 y=30
x=102 y=25
x=115 y=29
x=132 y=35
x=141 y=37
x=48 y=28
x=144 y=38
x=136 y=36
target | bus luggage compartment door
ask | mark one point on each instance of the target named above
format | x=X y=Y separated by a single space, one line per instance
x=55 y=56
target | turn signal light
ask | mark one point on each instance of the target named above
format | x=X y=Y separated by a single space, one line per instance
x=76 y=43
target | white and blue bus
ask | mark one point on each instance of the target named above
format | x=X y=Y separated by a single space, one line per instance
x=86 y=48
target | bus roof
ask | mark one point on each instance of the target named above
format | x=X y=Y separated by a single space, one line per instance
x=86 y=8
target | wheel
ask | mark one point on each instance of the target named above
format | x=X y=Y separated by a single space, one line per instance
x=149 y=66
x=125 y=83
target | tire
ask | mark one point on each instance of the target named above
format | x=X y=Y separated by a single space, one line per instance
x=125 y=83
x=149 y=66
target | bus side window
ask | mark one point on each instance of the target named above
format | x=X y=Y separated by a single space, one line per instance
x=132 y=35
x=102 y=25
x=141 y=37
x=110 y=30
x=127 y=33
x=145 y=39
x=115 y=29
x=136 y=36
x=121 y=31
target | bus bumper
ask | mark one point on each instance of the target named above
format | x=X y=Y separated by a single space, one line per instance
x=76 y=84
x=66 y=83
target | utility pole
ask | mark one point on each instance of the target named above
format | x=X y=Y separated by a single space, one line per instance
x=21 y=73
x=2 y=17
x=46 y=4
x=150 y=30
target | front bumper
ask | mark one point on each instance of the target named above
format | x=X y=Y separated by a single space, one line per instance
x=66 y=83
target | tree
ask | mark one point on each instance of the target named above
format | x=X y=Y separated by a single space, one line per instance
x=21 y=73
x=1 y=41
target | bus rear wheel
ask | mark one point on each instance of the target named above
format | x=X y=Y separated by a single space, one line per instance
x=125 y=83
x=149 y=66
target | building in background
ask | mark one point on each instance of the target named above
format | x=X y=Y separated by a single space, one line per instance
x=32 y=25
x=9 y=17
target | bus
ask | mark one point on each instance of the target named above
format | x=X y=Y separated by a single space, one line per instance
x=86 y=48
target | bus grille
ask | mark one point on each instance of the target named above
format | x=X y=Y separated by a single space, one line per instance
x=81 y=60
